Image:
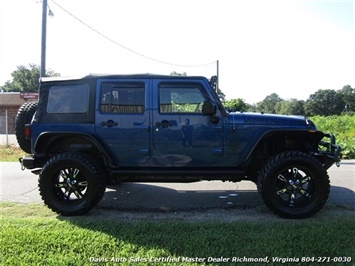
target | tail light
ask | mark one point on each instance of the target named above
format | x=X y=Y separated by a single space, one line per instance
x=27 y=131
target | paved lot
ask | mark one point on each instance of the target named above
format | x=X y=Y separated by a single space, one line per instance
x=21 y=186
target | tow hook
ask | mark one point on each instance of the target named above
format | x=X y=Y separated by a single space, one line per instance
x=21 y=162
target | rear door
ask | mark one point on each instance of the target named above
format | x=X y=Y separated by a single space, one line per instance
x=122 y=119
x=182 y=135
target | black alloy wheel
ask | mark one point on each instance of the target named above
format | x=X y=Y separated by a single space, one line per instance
x=71 y=183
x=294 y=185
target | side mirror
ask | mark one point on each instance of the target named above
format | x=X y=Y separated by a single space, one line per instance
x=209 y=108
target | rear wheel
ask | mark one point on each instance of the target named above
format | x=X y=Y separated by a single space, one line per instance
x=294 y=185
x=71 y=183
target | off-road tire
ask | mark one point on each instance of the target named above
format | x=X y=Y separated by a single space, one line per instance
x=294 y=185
x=72 y=183
x=24 y=116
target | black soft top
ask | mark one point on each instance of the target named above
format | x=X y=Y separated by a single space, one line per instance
x=42 y=116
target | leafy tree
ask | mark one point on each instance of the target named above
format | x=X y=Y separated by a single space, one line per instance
x=26 y=79
x=325 y=103
x=348 y=94
x=221 y=95
x=290 y=107
x=269 y=103
x=237 y=105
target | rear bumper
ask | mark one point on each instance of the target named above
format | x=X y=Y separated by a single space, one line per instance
x=30 y=162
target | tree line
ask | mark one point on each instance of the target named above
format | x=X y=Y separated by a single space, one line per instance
x=322 y=102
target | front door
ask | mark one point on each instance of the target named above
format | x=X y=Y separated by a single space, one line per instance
x=182 y=135
x=122 y=121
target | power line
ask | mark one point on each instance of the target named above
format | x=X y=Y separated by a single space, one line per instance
x=125 y=47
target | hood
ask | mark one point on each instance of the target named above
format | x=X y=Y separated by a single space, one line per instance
x=272 y=119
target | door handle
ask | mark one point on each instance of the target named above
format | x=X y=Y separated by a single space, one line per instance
x=109 y=123
x=163 y=124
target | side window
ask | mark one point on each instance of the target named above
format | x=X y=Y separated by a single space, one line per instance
x=68 y=99
x=122 y=98
x=180 y=98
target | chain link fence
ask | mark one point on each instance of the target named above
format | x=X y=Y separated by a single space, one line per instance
x=7 y=128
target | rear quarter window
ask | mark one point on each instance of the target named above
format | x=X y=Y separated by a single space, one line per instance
x=68 y=99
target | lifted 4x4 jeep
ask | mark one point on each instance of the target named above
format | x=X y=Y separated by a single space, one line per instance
x=140 y=128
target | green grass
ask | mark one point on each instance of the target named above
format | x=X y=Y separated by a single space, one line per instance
x=32 y=235
x=10 y=153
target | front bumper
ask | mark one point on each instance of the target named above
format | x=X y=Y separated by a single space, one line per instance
x=329 y=152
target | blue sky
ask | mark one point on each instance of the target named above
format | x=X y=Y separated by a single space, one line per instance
x=292 y=48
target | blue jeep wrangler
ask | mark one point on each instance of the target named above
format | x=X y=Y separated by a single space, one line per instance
x=88 y=131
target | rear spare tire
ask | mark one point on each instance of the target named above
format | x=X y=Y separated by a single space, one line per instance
x=24 y=116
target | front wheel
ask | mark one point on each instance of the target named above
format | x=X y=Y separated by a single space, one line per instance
x=294 y=185
x=71 y=183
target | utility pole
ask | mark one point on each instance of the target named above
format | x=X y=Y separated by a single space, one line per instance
x=44 y=37
x=7 y=127
x=217 y=83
